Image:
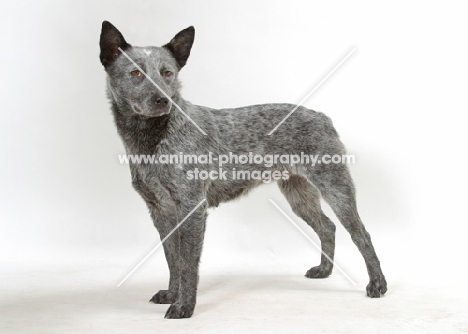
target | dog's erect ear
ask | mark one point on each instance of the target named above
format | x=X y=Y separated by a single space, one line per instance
x=181 y=44
x=110 y=42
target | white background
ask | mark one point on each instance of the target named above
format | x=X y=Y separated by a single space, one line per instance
x=399 y=104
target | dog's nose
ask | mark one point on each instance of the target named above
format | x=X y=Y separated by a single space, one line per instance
x=162 y=101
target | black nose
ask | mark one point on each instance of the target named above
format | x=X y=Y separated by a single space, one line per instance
x=161 y=100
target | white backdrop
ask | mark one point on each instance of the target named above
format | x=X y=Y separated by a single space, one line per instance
x=399 y=103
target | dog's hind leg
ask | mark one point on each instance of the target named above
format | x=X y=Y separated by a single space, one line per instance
x=336 y=186
x=304 y=199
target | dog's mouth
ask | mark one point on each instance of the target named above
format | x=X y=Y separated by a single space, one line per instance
x=152 y=113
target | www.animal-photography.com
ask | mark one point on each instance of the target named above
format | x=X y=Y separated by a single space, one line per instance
x=248 y=167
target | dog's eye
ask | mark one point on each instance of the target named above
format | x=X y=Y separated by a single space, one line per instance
x=167 y=74
x=135 y=73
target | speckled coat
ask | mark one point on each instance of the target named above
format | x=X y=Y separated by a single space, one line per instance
x=149 y=123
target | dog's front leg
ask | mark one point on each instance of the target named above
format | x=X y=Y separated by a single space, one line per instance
x=165 y=223
x=164 y=219
x=191 y=233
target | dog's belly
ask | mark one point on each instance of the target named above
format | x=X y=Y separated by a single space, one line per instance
x=225 y=191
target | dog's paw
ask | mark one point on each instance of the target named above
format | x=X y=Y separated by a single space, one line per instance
x=179 y=311
x=377 y=287
x=318 y=272
x=164 y=297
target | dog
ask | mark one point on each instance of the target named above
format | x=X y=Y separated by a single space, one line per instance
x=152 y=118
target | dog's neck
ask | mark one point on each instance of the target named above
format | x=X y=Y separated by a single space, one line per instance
x=141 y=134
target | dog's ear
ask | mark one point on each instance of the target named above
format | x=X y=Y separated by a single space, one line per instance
x=181 y=45
x=110 y=42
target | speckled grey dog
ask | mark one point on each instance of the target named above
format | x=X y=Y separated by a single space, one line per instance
x=150 y=124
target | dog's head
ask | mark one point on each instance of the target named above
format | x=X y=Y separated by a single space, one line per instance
x=143 y=80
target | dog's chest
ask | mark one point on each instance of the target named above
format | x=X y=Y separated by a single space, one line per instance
x=151 y=179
